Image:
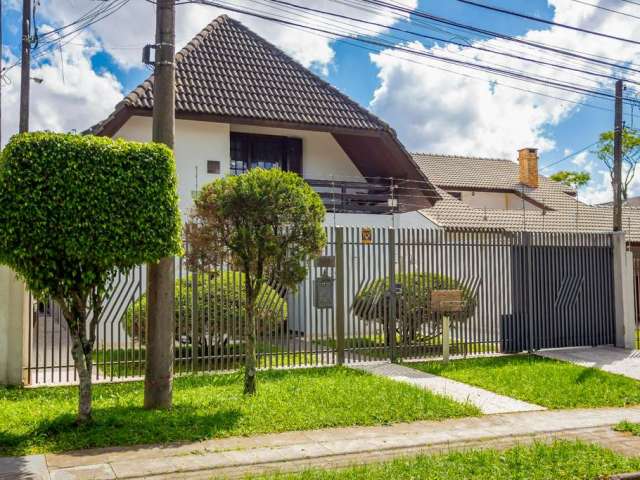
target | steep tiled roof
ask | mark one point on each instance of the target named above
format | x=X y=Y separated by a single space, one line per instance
x=227 y=70
x=565 y=214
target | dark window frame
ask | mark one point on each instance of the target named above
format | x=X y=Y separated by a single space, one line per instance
x=245 y=151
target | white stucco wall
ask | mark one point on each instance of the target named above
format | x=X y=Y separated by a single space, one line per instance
x=400 y=220
x=195 y=144
x=496 y=201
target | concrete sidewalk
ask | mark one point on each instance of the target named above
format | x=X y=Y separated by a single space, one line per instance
x=237 y=456
x=610 y=359
x=488 y=402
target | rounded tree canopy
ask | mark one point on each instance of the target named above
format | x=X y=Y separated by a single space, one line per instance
x=264 y=222
x=75 y=209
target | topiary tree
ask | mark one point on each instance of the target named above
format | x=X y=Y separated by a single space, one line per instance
x=221 y=298
x=267 y=224
x=413 y=304
x=77 y=210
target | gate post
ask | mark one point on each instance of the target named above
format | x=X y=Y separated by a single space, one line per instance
x=14 y=324
x=390 y=324
x=339 y=313
x=623 y=292
x=528 y=300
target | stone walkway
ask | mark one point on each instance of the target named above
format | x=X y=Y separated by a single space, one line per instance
x=236 y=456
x=488 y=402
x=609 y=359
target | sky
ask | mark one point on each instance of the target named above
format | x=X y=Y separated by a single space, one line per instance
x=434 y=107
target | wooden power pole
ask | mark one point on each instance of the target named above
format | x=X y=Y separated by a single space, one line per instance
x=25 y=70
x=158 y=385
x=617 y=160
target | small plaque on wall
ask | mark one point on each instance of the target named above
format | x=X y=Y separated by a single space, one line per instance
x=213 y=167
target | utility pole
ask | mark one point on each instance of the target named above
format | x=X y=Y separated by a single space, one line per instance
x=25 y=70
x=158 y=384
x=617 y=160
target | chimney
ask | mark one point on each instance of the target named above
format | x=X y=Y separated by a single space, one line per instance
x=528 y=160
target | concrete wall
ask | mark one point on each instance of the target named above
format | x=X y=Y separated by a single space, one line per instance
x=12 y=328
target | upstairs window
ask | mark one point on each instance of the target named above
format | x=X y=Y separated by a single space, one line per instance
x=265 y=151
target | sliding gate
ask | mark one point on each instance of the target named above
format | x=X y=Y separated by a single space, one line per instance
x=375 y=294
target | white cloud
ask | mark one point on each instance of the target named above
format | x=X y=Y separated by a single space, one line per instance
x=581 y=159
x=125 y=32
x=440 y=111
x=71 y=96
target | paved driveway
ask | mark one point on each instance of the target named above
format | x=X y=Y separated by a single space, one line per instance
x=609 y=359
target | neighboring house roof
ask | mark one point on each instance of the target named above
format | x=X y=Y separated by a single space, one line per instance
x=227 y=73
x=563 y=214
x=630 y=202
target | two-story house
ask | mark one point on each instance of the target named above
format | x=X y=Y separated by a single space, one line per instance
x=243 y=103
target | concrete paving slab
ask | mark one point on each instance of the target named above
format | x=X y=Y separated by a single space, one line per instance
x=488 y=402
x=610 y=359
x=29 y=467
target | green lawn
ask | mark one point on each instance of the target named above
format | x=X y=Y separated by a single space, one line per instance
x=633 y=428
x=559 y=461
x=207 y=406
x=130 y=362
x=542 y=381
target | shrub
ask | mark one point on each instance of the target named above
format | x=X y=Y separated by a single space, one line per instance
x=221 y=307
x=75 y=211
x=413 y=302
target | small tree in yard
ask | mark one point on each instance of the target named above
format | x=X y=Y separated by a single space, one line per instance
x=266 y=223
x=630 y=155
x=77 y=210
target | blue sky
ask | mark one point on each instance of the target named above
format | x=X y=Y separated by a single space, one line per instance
x=432 y=111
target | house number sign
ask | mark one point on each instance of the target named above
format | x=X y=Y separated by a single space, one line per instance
x=366 y=236
x=446 y=301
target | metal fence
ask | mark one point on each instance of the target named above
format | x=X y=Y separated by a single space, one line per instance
x=374 y=294
x=636 y=291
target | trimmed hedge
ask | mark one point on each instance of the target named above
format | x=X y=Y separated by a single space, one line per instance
x=413 y=304
x=221 y=304
x=75 y=209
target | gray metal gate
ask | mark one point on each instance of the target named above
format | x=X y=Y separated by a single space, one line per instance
x=375 y=294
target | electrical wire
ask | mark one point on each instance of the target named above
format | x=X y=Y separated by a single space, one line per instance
x=548 y=22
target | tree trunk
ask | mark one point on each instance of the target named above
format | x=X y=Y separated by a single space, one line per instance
x=250 y=347
x=84 y=387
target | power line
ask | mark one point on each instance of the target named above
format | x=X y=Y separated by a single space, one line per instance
x=569 y=156
x=478 y=66
x=618 y=12
x=548 y=22
x=440 y=39
x=592 y=58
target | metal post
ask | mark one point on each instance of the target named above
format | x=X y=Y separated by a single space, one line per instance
x=526 y=240
x=445 y=339
x=194 y=320
x=161 y=276
x=391 y=320
x=340 y=286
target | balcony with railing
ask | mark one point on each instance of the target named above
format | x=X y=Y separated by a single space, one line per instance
x=375 y=197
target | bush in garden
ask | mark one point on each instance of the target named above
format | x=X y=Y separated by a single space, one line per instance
x=413 y=303
x=77 y=210
x=221 y=308
x=268 y=225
